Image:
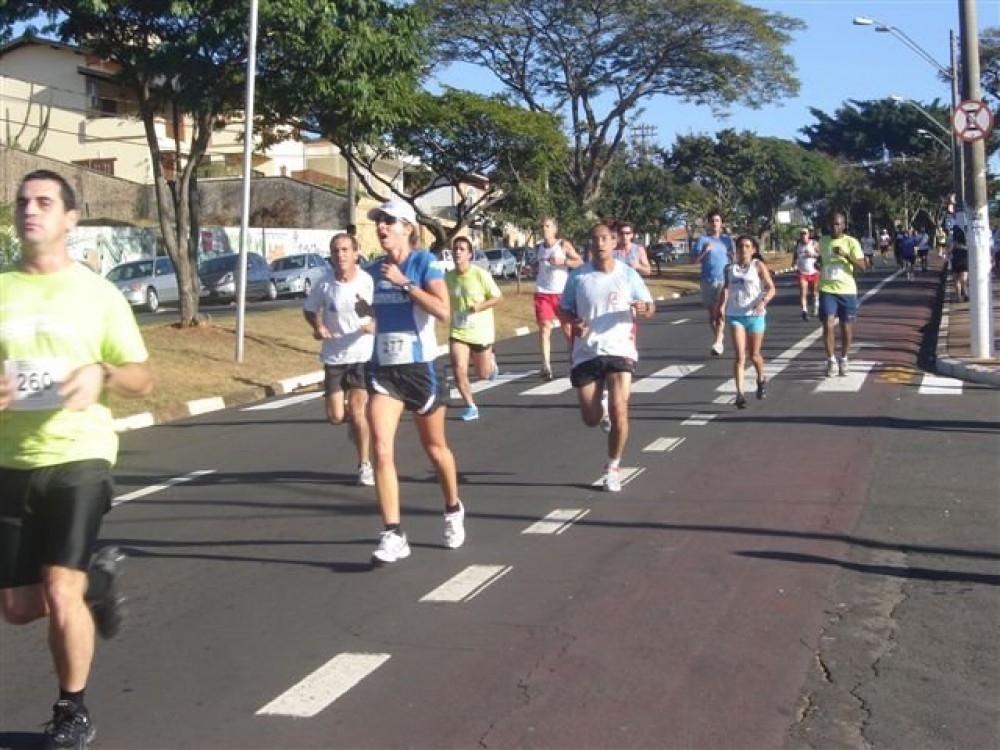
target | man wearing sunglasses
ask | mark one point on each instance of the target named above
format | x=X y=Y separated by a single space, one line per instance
x=630 y=252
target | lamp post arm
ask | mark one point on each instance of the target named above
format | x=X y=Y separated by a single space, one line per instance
x=905 y=39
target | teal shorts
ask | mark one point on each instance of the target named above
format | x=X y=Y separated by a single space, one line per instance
x=751 y=323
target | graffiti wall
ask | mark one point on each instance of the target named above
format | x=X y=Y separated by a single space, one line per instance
x=103 y=248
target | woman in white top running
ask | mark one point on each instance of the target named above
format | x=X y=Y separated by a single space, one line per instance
x=747 y=289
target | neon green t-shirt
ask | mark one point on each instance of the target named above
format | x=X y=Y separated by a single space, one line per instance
x=836 y=275
x=51 y=324
x=465 y=290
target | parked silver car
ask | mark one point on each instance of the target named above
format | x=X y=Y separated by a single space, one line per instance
x=502 y=262
x=146 y=283
x=296 y=274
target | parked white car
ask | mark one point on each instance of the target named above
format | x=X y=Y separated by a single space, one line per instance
x=296 y=274
x=147 y=282
x=447 y=262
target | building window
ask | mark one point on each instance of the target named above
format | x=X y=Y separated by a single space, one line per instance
x=104 y=166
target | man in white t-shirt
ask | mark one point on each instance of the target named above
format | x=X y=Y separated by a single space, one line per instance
x=601 y=301
x=347 y=344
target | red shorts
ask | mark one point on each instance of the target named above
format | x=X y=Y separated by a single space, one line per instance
x=546 y=306
x=809 y=278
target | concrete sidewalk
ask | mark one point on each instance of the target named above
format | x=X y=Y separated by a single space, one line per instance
x=954 y=354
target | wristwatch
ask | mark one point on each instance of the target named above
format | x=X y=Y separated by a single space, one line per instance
x=407 y=287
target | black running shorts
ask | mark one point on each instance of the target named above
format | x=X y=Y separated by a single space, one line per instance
x=598 y=368
x=347 y=377
x=50 y=516
x=417 y=385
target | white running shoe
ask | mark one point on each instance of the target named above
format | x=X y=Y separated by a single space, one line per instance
x=454 y=528
x=612 y=481
x=844 y=368
x=392 y=546
x=366 y=475
x=606 y=424
x=831 y=368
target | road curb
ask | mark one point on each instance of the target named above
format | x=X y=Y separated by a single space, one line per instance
x=210 y=404
x=953 y=367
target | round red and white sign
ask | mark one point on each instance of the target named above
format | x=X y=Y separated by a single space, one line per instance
x=972 y=121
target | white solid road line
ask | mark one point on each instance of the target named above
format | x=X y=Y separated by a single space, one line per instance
x=938 y=385
x=662 y=378
x=502 y=379
x=281 y=403
x=324 y=686
x=559 y=385
x=468 y=584
x=851 y=383
x=678 y=322
x=557 y=521
x=190 y=477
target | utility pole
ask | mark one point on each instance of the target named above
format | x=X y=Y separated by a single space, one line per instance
x=977 y=209
x=642 y=138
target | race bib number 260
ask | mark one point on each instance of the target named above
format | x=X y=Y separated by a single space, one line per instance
x=35 y=383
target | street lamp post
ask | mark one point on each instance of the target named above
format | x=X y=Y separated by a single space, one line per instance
x=970 y=184
x=951 y=73
x=924 y=132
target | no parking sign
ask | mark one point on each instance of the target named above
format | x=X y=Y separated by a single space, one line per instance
x=972 y=121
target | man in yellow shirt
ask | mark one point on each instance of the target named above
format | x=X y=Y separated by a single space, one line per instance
x=841 y=258
x=66 y=336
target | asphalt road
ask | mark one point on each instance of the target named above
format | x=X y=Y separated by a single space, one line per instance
x=819 y=570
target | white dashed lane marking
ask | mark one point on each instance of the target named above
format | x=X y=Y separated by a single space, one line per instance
x=317 y=691
x=556 y=522
x=468 y=584
x=663 y=445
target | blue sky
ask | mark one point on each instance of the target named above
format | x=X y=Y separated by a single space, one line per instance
x=835 y=61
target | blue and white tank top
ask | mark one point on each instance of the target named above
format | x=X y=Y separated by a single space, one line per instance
x=405 y=331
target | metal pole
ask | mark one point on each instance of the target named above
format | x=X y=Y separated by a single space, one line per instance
x=957 y=155
x=977 y=211
x=241 y=279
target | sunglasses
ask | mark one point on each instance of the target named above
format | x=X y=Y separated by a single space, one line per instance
x=386 y=219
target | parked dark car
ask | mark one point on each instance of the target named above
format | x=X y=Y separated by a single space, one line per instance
x=526 y=261
x=661 y=254
x=219 y=275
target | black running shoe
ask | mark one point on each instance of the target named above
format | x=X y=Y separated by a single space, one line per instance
x=761 y=389
x=741 y=401
x=70 y=728
x=546 y=373
x=107 y=604
x=805 y=315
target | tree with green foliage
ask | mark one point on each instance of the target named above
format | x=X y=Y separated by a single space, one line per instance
x=596 y=64
x=749 y=177
x=449 y=141
x=186 y=62
x=869 y=130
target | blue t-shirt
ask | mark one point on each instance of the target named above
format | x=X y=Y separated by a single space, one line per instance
x=720 y=251
x=404 y=330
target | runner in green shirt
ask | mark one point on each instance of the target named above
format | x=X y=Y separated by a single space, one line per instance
x=471 y=333
x=66 y=336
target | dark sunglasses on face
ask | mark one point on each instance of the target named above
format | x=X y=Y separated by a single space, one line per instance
x=386 y=219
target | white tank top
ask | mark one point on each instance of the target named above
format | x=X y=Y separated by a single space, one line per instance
x=745 y=289
x=551 y=279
